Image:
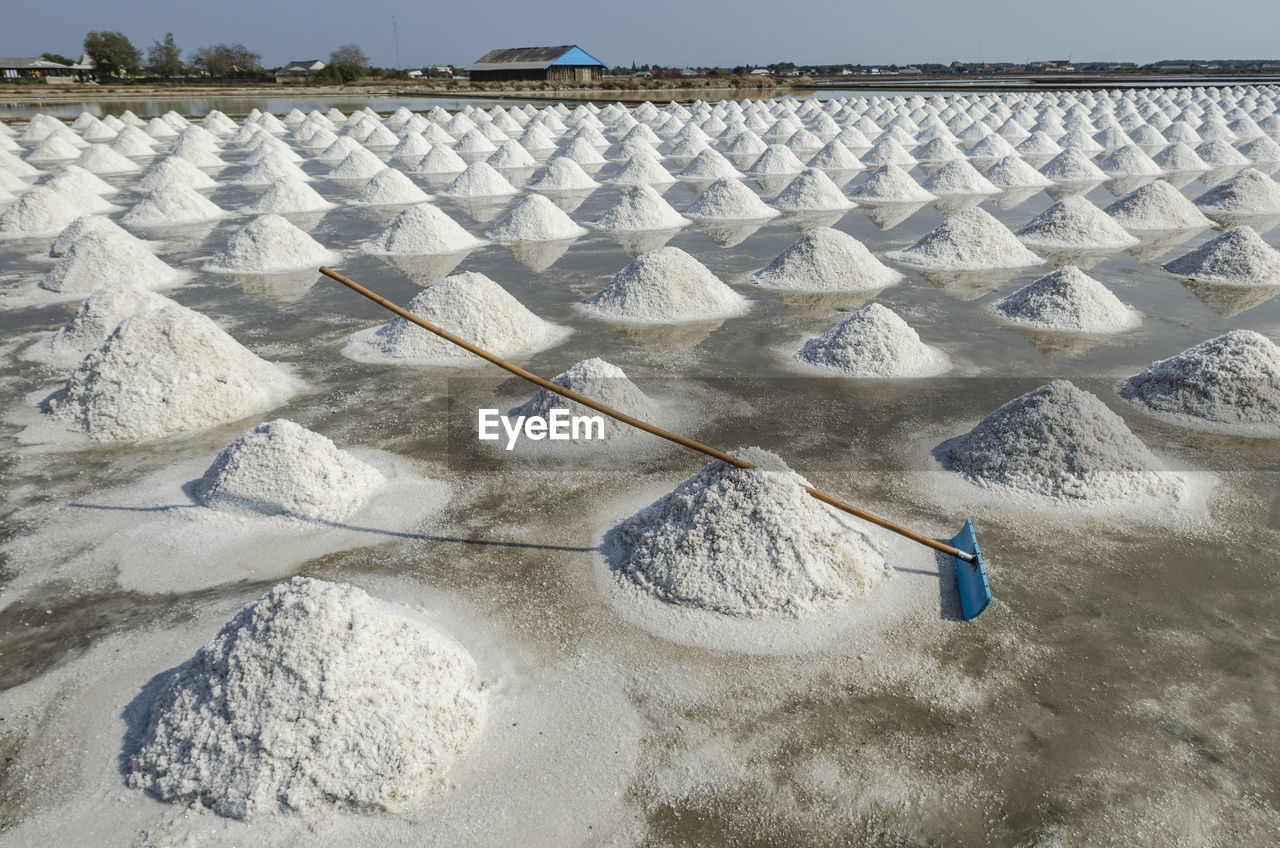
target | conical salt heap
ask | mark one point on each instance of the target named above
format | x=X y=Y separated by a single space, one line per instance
x=269 y=169
x=269 y=244
x=1233 y=379
x=171 y=171
x=730 y=200
x=374 y=707
x=601 y=381
x=1067 y=301
x=641 y=170
x=281 y=468
x=469 y=305
x=1013 y=172
x=891 y=184
x=639 y=208
x=1059 y=442
x=40 y=212
x=971 y=240
x=389 y=187
x=420 y=230
x=1129 y=161
x=511 y=155
x=824 y=259
x=776 y=160
x=666 y=285
x=72 y=232
x=163 y=372
x=288 y=195
x=101 y=257
x=1074 y=223
x=102 y=160
x=562 y=174
x=440 y=160
x=1180 y=157
x=709 y=165
x=94 y=322
x=1249 y=192
x=1157 y=206
x=958 y=177
x=745 y=543
x=1072 y=166
x=172 y=206
x=1238 y=257
x=874 y=342
x=479 y=180
x=811 y=191
x=1220 y=154
x=534 y=218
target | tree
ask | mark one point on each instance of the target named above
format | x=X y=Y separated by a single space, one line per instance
x=351 y=56
x=112 y=53
x=217 y=60
x=59 y=58
x=164 y=58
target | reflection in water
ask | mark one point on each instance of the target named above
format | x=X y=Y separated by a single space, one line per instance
x=567 y=201
x=1157 y=243
x=1229 y=301
x=425 y=270
x=1011 y=198
x=728 y=233
x=538 y=256
x=953 y=203
x=1260 y=223
x=967 y=285
x=1120 y=186
x=886 y=216
x=642 y=241
x=1053 y=345
x=1060 y=190
x=825 y=301
x=803 y=222
x=675 y=335
x=284 y=287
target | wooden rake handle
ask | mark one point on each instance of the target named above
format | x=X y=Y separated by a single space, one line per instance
x=634 y=422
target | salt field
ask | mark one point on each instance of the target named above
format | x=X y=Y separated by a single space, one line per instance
x=264 y=582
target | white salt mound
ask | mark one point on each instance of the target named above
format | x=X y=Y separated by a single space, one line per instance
x=440 y=160
x=639 y=208
x=359 y=164
x=641 y=170
x=374 y=707
x=1072 y=166
x=730 y=200
x=1074 y=223
x=1233 y=379
x=389 y=187
x=562 y=174
x=666 y=285
x=288 y=195
x=163 y=372
x=172 y=206
x=101 y=159
x=811 y=191
x=745 y=543
x=1249 y=192
x=874 y=341
x=479 y=180
x=1157 y=206
x=891 y=184
x=282 y=468
x=469 y=305
x=824 y=259
x=968 y=240
x=1013 y=172
x=958 y=177
x=602 y=382
x=1059 y=442
x=420 y=230
x=101 y=257
x=1067 y=301
x=80 y=226
x=1237 y=257
x=269 y=244
x=94 y=322
x=534 y=218
x=173 y=171
x=39 y=212
x=776 y=160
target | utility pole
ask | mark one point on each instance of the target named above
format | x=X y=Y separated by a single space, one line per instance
x=395 y=33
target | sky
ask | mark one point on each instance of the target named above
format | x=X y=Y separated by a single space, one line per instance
x=673 y=32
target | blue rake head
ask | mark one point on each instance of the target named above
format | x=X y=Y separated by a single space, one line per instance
x=971 y=577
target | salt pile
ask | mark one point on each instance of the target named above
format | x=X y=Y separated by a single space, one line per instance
x=826 y=260
x=811 y=191
x=173 y=171
x=729 y=200
x=1180 y=157
x=666 y=285
x=54 y=148
x=440 y=160
x=891 y=184
x=1072 y=166
x=1067 y=301
x=534 y=218
x=873 y=342
x=470 y=305
x=374 y=707
x=1261 y=151
x=776 y=160
x=389 y=187
x=641 y=170
x=709 y=165
x=163 y=372
x=581 y=151
x=1074 y=223
x=970 y=240
x=1250 y=192
x=602 y=382
x=887 y=151
x=421 y=230
x=562 y=174
x=1237 y=257
x=288 y=195
x=281 y=468
x=746 y=543
x=80 y=226
x=639 y=208
x=1157 y=206
x=359 y=164
x=479 y=180
x=958 y=177
x=1129 y=161
x=172 y=206
x=834 y=156
x=101 y=257
x=511 y=155
x=133 y=143
x=94 y=322
x=1220 y=154
x=269 y=169
x=1013 y=172
x=40 y=212
x=1058 y=442
x=269 y=244
x=100 y=159
x=1233 y=379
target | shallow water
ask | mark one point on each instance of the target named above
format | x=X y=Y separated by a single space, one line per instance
x=1121 y=689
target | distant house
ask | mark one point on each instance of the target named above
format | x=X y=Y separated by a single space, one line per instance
x=37 y=68
x=762 y=72
x=299 y=70
x=569 y=63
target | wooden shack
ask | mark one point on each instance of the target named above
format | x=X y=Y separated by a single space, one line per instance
x=566 y=64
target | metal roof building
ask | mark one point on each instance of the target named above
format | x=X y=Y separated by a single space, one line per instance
x=568 y=63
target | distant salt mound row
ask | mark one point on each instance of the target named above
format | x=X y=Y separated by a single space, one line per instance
x=40 y=212
x=729 y=200
x=811 y=191
x=1238 y=257
x=479 y=180
x=601 y=381
x=1249 y=192
x=287 y=195
x=746 y=543
x=637 y=209
x=269 y=244
x=666 y=285
x=163 y=372
x=971 y=240
x=1067 y=301
x=562 y=174
x=875 y=342
x=891 y=184
x=374 y=708
x=824 y=259
x=94 y=322
x=172 y=206
x=1013 y=172
x=102 y=257
x=469 y=305
x=282 y=468
x=81 y=226
x=1074 y=223
x=421 y=230
x=389 y=187
x=534 y=218
x=1231 y=380
x=171 y=171
x=1058 y=442
x=958 y=177
x=1157 y=206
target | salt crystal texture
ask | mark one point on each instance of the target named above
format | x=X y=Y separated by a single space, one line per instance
x=374 y=708
x=666 y=285
x=746 y=543
x=826 y=260
x=602 y=382
x=1237 y=257
x=968 y=240
x=269 y=244
x=1074 y=223
x=534 y=218
x=875 y=342
x=1067 y=301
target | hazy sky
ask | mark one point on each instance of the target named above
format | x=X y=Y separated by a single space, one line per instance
x=674 y=32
